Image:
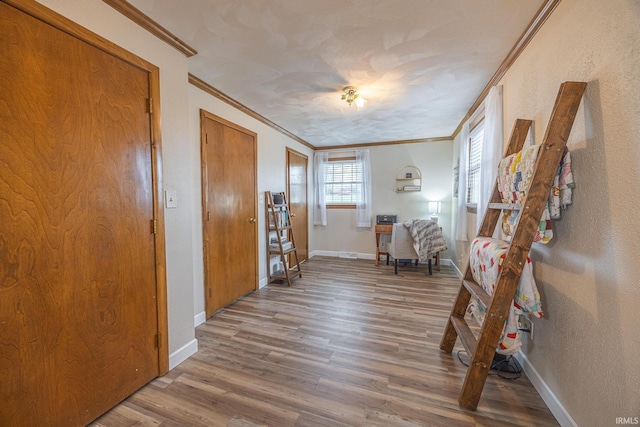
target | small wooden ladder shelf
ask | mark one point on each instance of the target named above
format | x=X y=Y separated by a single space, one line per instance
x=481 y=350
x=279 y=224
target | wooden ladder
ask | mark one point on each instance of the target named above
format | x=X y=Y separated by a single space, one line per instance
x=279 y=221
x=481 y=350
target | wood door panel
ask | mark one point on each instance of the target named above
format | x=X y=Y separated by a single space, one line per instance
x=78 y=291
x=230 y=239
x=297 y=164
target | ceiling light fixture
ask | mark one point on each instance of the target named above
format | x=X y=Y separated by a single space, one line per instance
x=351 y=96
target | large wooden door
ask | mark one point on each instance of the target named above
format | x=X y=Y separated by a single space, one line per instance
x=297 y=189
x=78 y=310
x=229 y=211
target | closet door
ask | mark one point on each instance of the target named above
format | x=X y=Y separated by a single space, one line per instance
x=78 y=309
x=297 y=164
x=230 y=218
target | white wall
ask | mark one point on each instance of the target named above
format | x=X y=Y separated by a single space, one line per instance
x=586 y=348
x=434 y=159
x=272 y=147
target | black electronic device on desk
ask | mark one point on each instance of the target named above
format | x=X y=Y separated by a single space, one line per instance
x=386 y=219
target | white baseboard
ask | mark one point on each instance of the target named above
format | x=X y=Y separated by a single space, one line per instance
x=336 y=254
x=455 y=267
x=199 y=319
x=262 y=283
x=362 y=255
x=183 y=353
x=555 y=406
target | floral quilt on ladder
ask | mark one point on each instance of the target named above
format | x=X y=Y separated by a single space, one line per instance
x=487 y=256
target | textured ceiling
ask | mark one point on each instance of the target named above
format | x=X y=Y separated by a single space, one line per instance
x=420 y=64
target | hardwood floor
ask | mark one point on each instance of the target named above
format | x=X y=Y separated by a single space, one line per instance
x=349 y=344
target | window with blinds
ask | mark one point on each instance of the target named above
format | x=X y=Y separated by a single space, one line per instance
x=476 y=137
x=343 y=182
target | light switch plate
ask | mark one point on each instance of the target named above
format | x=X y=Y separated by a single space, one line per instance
x=170 y=199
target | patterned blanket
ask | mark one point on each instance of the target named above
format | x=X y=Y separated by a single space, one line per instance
x=485 y=260
x=514 y=178
x=427 y=237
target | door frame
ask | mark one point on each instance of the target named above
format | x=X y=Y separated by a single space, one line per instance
x=63 y=24
x=306 y=189
x=204 y=115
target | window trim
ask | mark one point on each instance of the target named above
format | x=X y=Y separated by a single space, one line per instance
x=337 y=206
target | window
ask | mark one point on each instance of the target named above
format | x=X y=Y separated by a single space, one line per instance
x=476 y=136
x=343 y=179
x=343 y=183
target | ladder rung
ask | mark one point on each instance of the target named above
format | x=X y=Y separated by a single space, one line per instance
x=507 y=206
x=467 y=338
x=284 y=227
x=478 y=292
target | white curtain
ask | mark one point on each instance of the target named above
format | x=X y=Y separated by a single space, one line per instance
x=363 y=206
x=320 y=159
x=492 y=149
x=461 y=211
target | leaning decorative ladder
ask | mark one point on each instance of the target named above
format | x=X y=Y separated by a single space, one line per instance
x=279 y=224
x=481 y=350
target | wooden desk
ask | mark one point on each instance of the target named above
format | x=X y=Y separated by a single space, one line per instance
x=381 y=229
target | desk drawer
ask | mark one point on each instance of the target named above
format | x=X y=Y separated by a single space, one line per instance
x=384 y=228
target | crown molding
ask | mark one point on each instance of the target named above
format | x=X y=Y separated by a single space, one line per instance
x=134 y=14
x=375 y=144
x=541 y=17
x=206 y=87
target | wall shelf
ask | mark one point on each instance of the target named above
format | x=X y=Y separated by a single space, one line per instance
x=408 y=179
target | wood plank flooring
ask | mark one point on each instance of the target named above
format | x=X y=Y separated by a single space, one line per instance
x=349 y=344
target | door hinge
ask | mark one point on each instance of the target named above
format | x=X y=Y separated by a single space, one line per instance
x=154 y=226
x=206 y=138
x=158 y=340
x=208 y=216
x=150 y=105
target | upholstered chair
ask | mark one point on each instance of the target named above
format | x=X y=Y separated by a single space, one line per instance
x=401 y=248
